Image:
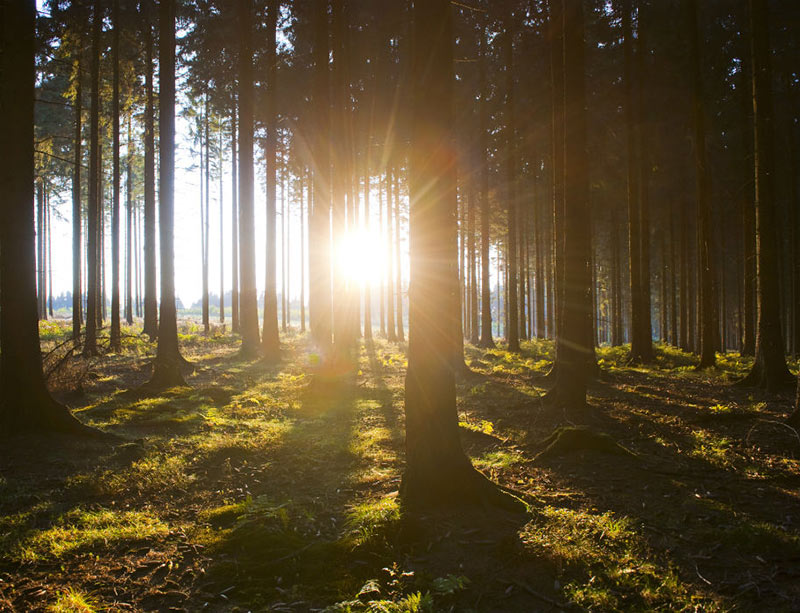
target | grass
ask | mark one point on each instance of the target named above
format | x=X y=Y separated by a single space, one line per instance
x=74 y=601
x=81 y=530
x=258 y=485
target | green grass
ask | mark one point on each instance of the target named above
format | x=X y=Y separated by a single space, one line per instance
x=81 y=530
x=72 y=600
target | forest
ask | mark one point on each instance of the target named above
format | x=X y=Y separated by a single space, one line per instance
x=399 y=305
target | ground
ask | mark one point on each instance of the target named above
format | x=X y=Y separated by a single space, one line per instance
x=275 y=488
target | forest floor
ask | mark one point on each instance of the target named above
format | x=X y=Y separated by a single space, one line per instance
x=275 y=489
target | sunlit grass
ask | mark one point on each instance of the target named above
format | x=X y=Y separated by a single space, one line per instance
x=81 y=529
x=72 y=600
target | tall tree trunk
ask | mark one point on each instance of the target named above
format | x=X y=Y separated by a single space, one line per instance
x=769 y=369
x=319 y=217
x=234 y=226
x=129 y=253
x=205 y=217
x=24 y=399
x=383 y=284
x=368 y=229
x=270 y=337
x=166 y=366
x=93 y=213
x=474 y=327
x=575 y=353
x=150 y=326
x=704 y=230
x=248 y=305
x=556 y=34
x=390 y=262
x=77 y=311
x=511 y=193
x=398 y=261
x=437 y=470
x=41 y=290
x=483 y=195
x=116 y=339
x=303 y=251
x=221 y=229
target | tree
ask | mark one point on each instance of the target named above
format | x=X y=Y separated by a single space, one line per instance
x=511 y=193
x=93 y=209
x=168 y=361
x=769 y=369
x=575 y=361
x=486 y=340
x=437 y=470
x=116 y=341
x=24 y=399
x=77 y=165
x=247 y=257
x=703 y=193
x=270 y=338
x=150 y=326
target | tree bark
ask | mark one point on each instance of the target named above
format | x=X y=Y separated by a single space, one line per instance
x=166 y=367
x=270 y=337
x=437 y=470
x=150 y=326
x=77 y=305
x=248 y=302
x=769 y=369
x=483 y=195
x=24 y=399
x=116 y=338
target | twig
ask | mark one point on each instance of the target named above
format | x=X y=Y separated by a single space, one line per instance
x=777 y=423
x=697 y=570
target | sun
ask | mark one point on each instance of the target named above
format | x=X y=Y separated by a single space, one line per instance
x=361 y=257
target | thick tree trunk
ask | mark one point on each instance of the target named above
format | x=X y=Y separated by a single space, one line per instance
x=205 y=222
x=248 y=305
x=703 y=191
x=319 y=247
x=390 y=261
x=93 y=212
x=398 y=261
x=575 y=352
x=166 y=366
x=270 y=337
x=769 y=370
x=221 y=229
x=437 y=470
x=24 y=399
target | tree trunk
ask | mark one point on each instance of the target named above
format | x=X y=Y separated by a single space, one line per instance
x=116 y=339
x=93 y=213
x=398 y=261
x=319 y=247
x=437 y=470
x=248 y=305
x=575 y=352
x=24 y=399
x=129 y=253
x=77 y=166
x=166 y=367
x=512 y=256
x=205 y=216
x=270 y=337
x=769 y=370
x=704 y=230
x=390 y=261
x=221 y=230
x=483 y=195
x=234 y=226
x=150 y=326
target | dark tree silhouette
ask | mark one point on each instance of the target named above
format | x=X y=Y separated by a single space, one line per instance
x=575 y=360
x=769 y=369
x=24 y=399
x=150 y=326
x=116 y=340
x=437 y=470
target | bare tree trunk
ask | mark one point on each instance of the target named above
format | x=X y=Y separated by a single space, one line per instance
x=270 y=336
x=77 y=291
x=483 y=195
x=769 y=369
x=150 y=302
x=234 y=226
x=116 y=340
x=129 y=253
x=166 y=366
x=221 y=230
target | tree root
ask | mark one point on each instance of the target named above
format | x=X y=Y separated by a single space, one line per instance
x=577 y=438
x=459 y=487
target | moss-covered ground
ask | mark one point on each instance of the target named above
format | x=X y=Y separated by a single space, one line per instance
x=274 y=488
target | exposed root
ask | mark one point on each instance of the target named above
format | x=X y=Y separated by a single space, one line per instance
x=566 y=440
